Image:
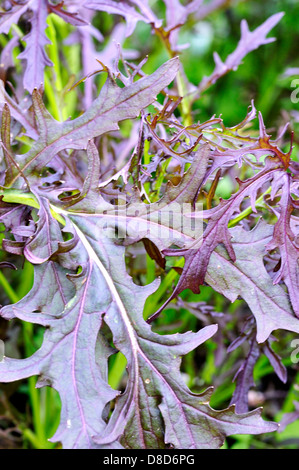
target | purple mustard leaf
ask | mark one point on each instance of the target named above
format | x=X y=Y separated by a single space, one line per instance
x=289 y=418
x=82 y=293
x=127 y=10
x=46 y=238
x=275 y=362
x=247 y=277
x=19 y=112
x=197 y=256
x=114 y=104
x=284 y=239
x=249 y=41
x=12 y=15
x=36 y=41
x=244 y=378
x=66 y=361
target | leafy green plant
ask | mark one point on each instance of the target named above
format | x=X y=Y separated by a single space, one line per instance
x=132 y=169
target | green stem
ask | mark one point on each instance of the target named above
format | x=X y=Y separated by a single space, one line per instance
x=118 y=368
x=150 y=269
x=54 y=75
x=8 y=289
x=52 y=99
x=32 y=438
x=186 y=103
x=38 y=439
x=54 y=52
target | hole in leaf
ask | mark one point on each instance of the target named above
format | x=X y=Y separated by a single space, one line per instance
x=117 y=373
x=68 y=195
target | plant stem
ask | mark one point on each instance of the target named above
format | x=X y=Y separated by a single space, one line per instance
x=13 y=297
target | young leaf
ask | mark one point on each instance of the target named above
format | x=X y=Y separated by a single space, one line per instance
x=104 y=291
x=248 y=42
x=124 y=9
x=197 y=255
x=36 y=41
x=244 y=380
x=114 y=104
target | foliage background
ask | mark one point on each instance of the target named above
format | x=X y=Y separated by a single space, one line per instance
x=28 y=417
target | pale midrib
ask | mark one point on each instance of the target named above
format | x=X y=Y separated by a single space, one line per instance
x=131 y=332
x=127 y=217
x=93 y=256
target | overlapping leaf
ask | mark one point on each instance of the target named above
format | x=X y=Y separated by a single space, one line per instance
x=197 y=256
x=68 y=359
x=285 y=240
x=82 y=293
x=247 y=277
x=114 y=104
